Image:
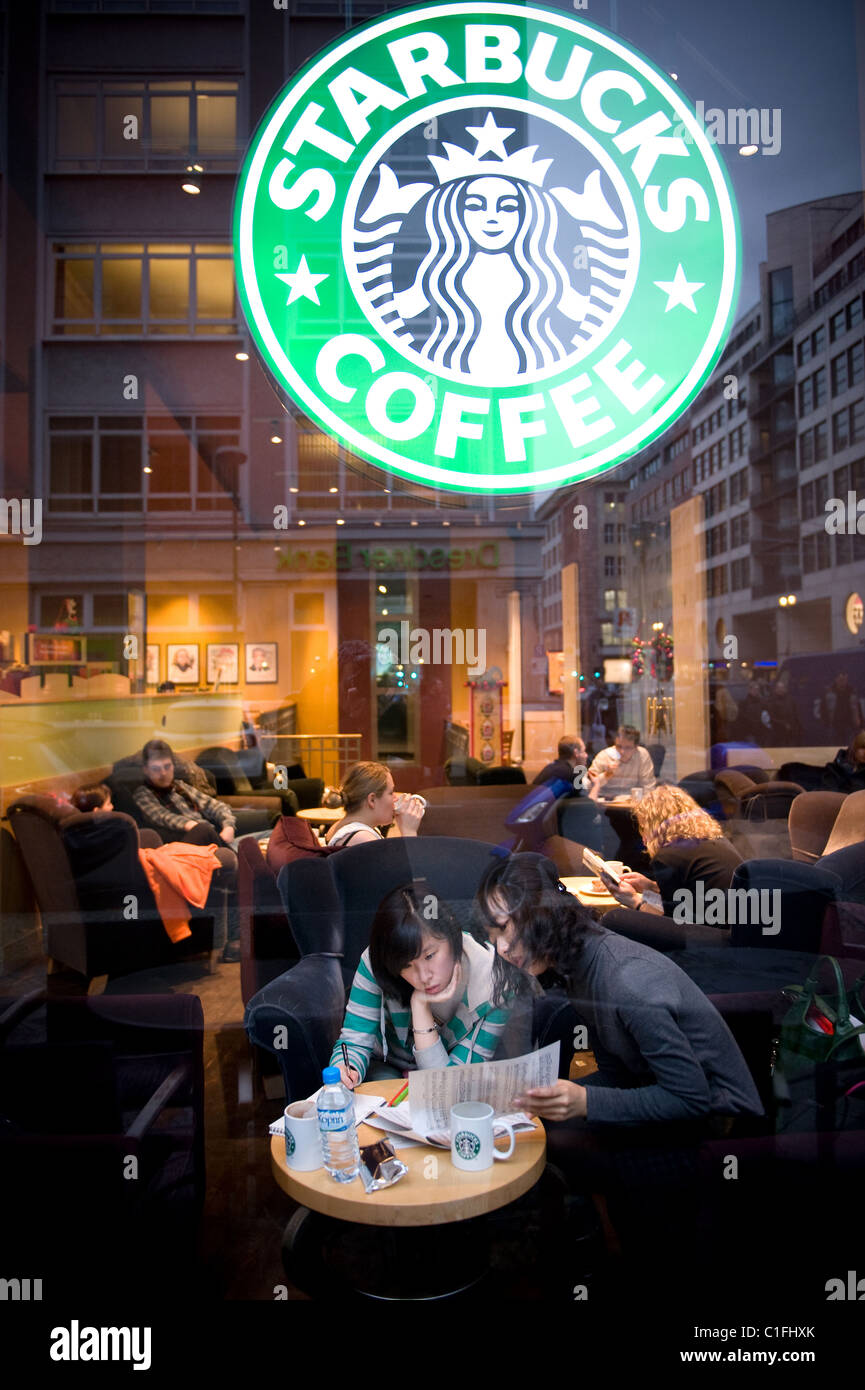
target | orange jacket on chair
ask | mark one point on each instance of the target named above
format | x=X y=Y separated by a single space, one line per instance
x=179 y=875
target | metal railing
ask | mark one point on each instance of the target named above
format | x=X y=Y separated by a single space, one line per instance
x=323 y=755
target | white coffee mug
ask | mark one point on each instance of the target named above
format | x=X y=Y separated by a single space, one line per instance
x=403 y=798
x=473 y=1136
x=302 y=1138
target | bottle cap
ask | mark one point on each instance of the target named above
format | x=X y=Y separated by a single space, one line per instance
x=329 y=1075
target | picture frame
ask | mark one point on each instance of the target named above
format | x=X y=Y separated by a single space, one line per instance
x=261 y=662
x=186 y=672
x=222 y=660
x=152 y=664
x=55 y=649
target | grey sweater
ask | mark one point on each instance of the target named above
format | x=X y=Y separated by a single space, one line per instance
x=663 y=1051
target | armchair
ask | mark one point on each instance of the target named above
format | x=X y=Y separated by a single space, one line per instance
x=86 y=1086
x=330 y=904
x=226 y=769
x=83 y=868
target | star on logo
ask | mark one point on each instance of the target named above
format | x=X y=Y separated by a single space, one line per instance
x=302 y=283
x=490 y=137
x=680 y=291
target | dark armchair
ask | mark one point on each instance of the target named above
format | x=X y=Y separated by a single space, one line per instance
x=98 y=912
x=102 y=1102
x=254 y=812
x=227 y=771
x=330 y=904
x=741 y=957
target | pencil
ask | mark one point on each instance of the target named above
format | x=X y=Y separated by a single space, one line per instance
x=399 y=1095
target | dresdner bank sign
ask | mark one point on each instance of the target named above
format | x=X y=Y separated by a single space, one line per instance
x=471 y=245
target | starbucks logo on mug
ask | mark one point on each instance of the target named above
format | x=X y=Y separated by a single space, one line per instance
x=466 y=1144
x=290 y=1145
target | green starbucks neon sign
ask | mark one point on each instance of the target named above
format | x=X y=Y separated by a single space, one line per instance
x=487 y=246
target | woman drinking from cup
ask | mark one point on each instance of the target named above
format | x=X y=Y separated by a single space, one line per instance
x=421 y=994
x=370 y=801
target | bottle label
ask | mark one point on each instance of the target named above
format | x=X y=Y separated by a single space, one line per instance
x=333 y=1120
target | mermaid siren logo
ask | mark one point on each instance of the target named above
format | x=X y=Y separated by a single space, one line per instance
x=479 y=251
x=491 y=298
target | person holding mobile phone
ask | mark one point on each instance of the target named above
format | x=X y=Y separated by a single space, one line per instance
x=685 y=845
x=421 y=993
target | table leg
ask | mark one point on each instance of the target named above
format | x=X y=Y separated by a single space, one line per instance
x=323 y=1256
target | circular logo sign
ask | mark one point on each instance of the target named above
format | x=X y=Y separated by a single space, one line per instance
x=489 y=248
x=466 y=1144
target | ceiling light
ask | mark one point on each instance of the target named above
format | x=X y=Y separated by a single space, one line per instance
x=340 y=522
x=293 y=489
x=382 y=588
x=747 y=150
x=190 y=188
x=242 y=356
x=301 y=523
x=276 y=439
x=333 y=489
x=147 y=468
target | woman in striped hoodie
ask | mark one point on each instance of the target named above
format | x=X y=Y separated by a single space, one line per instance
x=421 y=993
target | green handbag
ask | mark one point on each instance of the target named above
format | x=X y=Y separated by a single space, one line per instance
x=819 y=1077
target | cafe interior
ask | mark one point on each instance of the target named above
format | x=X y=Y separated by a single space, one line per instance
x=200 y=573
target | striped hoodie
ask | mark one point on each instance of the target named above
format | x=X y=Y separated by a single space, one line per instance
x=472 y=1035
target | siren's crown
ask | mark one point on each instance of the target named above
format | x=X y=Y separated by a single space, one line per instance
x=458 y=163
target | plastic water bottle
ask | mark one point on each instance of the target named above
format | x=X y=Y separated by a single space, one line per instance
x=336 y=1124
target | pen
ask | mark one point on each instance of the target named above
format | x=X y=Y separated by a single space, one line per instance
x=399 y=1095
x=345 y=1056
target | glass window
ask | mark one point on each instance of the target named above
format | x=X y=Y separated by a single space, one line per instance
x=121 y=289
x=76 y=126
x=169 y=288
x=169 y=124
x=839 y=374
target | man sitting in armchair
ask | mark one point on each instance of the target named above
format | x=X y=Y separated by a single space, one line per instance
x=180 y=811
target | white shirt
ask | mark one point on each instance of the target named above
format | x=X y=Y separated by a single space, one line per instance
x=638 y=771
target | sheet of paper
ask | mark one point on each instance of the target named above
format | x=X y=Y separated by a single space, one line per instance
x=363 y=1106
x=432 y=1093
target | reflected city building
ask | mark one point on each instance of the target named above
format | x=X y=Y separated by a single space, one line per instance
x=190 y=552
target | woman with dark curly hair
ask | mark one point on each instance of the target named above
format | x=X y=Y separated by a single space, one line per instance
x=664 y=1053
x=669 y=1073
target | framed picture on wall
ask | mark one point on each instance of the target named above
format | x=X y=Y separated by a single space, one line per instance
x=222 y=661
x=45 y=650
x=152 y=672
x=182 y=663
x=261 y=662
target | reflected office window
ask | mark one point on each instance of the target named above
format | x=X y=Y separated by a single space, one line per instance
x=113 y=125
x=126 y=463
x=134 y=289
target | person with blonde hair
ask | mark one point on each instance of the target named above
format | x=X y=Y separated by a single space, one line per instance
x=684 y=843
x=370 y=801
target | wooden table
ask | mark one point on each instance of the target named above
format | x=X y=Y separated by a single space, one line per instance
x=322 y=815
x=601 y=902
x=424 y=1238
x=417 y=1199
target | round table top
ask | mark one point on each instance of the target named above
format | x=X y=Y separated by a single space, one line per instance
x=322 y=815
x=430 y=1194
